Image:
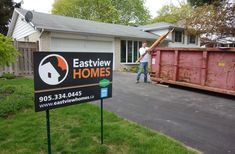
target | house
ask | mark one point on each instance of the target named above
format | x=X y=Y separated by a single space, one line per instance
x=60 y=33
x=227 y=42
x=49 y=74
x=179 y=37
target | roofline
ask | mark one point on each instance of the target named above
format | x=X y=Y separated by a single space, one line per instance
x=12 y=24
x=162 y=27
x=156 y=28
x=94 y=34
x=14 y=18
x=17 y=13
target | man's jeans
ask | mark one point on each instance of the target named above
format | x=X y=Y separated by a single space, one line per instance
x=143 y=65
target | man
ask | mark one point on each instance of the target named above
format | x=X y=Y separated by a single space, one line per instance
x=143 y=63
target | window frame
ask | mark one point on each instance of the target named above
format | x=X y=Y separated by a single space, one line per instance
x=133 y=60
x=121 y=53
x=182 y=36
x=189 y=39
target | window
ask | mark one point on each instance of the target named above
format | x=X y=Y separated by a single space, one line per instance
x=129 y=51
x=123 y=51
x=192 y=39
x=232 y=45
x=178 y=36
x=136 y=49
x=129 y=47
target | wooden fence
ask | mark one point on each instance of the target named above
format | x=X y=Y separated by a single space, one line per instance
x=24 y=63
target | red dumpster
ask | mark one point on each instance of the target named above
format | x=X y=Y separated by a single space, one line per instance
x=203 y=68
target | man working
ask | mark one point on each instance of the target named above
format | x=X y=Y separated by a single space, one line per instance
x=143 y=63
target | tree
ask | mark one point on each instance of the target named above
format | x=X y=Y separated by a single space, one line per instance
x=6 y=10
x=125 y=12
x=202 y=2
x=8 y=52
x=172 y=14
x=212 y=21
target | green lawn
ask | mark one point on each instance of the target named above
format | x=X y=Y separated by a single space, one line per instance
x=74 y=129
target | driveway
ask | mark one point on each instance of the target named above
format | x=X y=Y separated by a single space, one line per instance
x=199 y=119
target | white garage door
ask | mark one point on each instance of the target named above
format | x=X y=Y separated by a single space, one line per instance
x=77 y=45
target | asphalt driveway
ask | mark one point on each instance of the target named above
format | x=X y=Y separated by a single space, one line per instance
x=199 y=119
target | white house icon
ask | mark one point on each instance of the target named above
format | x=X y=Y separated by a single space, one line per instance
x=49 y=74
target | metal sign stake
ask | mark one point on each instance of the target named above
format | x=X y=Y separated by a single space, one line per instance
x=48 y=131
x=102 y=124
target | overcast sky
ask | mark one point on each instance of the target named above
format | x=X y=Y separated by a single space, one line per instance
x=46 y=5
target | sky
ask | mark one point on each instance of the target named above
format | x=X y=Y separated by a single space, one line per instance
x=155 y=5
x=46 y=5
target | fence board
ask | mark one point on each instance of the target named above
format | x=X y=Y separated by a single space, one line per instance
x=25 y=61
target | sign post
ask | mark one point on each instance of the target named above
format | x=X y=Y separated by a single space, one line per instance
x=68 y=78
x=103 y=94
x=102 y=122
x=48 y=131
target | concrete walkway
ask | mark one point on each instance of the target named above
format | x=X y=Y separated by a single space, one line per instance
x=199 y=119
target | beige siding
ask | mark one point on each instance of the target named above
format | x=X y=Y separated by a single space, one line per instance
x=34 y=37
x=45 y=41
x=22 y=29
x=161 y=32
x=176 y=44
x=31 y=38
x=185 y=44
x=117 y=53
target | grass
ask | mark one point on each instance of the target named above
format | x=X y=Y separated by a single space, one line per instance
x=76 y=129
x=15 y=94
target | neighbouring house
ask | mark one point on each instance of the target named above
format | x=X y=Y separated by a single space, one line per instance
x=178 y=37
x=227 y=42
x=60 y=33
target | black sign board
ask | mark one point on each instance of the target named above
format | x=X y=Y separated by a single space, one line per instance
x=67 y=78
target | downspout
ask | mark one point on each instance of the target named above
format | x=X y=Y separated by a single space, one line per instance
x=42 y=30
x=39 y=44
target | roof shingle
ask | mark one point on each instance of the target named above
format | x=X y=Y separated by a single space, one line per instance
x=68 y=24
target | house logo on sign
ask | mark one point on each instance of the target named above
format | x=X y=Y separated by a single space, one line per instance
x=53 y=69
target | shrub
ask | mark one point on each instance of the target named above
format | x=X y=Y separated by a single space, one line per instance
x=8 y=76
x=7 y=51
x=5 y=91
x=134 y=69
x=15 y=95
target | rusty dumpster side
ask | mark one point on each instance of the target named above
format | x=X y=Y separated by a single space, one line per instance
x=209 y=69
